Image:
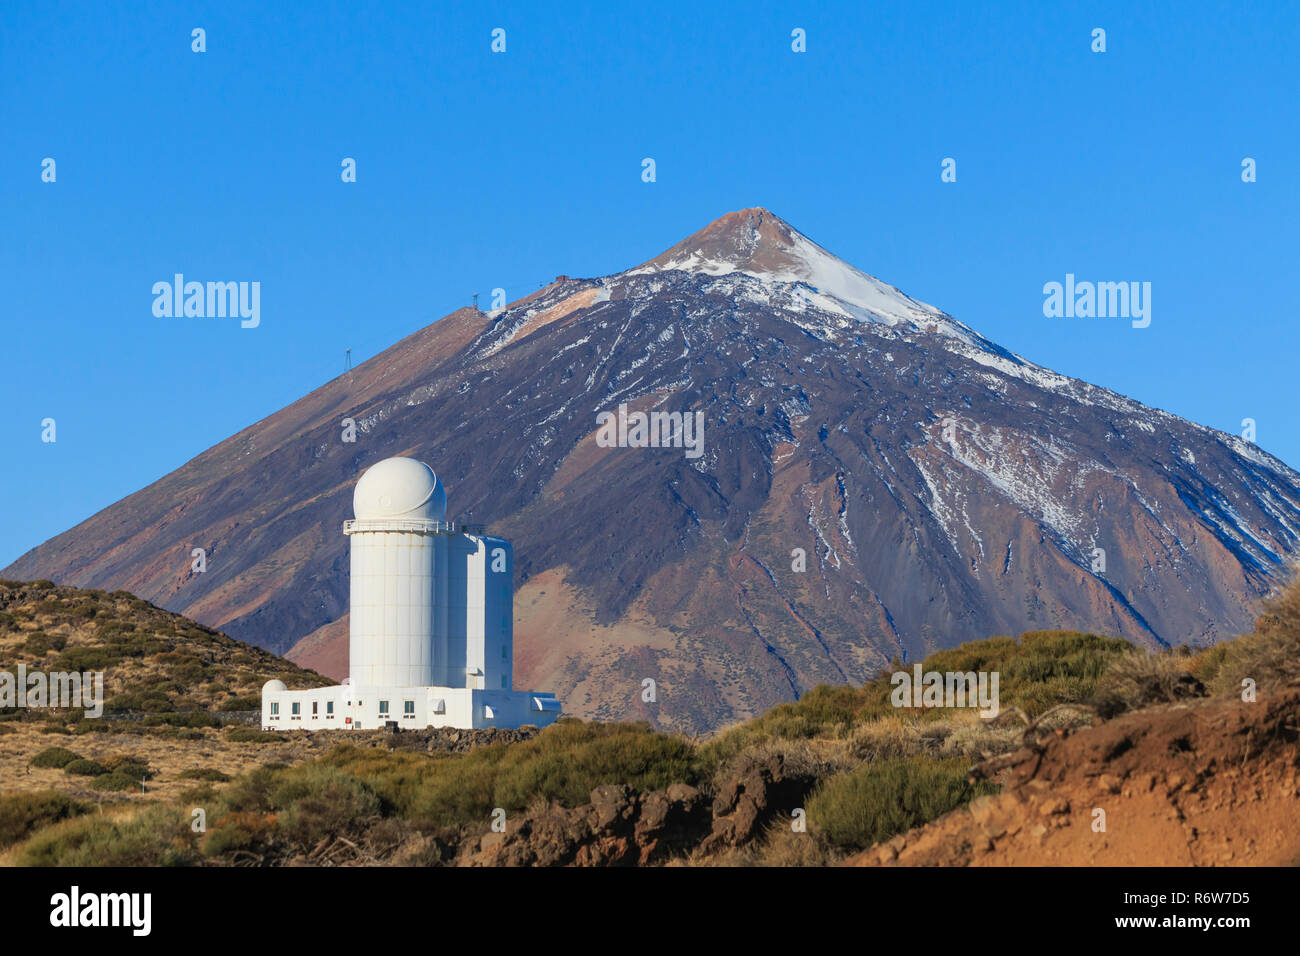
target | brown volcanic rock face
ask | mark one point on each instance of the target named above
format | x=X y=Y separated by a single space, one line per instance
x=1207 y=783
x=941 y=489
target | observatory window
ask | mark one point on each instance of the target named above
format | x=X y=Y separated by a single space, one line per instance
x=329 y=708
x=408 y=708
x=383 y=707
x=275 y=708
x=297 y=708
x=314 y=707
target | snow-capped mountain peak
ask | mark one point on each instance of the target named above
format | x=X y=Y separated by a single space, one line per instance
x=758 y=243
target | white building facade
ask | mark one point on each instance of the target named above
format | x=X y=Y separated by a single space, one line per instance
x=431 y=639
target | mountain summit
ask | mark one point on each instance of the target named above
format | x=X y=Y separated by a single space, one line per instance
x=762 y=245
x=876 y=481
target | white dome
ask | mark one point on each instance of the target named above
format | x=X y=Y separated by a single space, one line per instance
x=273 y=686
x=400 y=488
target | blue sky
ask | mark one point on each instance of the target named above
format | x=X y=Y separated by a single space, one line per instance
x=479 y=170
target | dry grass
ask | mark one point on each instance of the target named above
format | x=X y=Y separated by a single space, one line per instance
x=1270 y=655
x=1141 y=679
x=167 y=758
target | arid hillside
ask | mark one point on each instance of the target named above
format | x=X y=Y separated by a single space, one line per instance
x=1192 y=758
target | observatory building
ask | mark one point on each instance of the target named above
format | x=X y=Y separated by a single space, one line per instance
x=432 y=620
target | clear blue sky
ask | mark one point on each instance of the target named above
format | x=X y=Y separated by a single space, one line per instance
x=478 y=170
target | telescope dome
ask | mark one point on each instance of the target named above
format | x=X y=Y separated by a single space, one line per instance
x=400 y=488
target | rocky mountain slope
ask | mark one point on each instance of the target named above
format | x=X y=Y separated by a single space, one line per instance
x=1202 y=783
x=940 y=488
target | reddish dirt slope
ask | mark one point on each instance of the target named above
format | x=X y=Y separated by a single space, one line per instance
x=1214 y=782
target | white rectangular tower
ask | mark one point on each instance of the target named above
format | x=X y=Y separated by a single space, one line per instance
x=431 y=636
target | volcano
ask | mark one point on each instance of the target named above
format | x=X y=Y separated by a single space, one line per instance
x=874 y=480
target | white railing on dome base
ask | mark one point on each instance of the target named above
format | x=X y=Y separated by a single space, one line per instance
x=417 y=525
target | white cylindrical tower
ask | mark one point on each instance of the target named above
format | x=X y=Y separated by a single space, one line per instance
x=400 y=505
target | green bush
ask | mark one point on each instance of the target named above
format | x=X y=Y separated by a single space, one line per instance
x=564 y=763
x=115 y=781
x=83 y=767
x=39 y=643
x=86 y=659
x=570 y=759
x=239 y=831
x=24 y=813
x=132 y=767
x=144 y=702
x=1036 y=672
x=320 y=803
x=58 y=757
x=862 y=807
x=250 y=702
x=91 y=725
x=155 y=836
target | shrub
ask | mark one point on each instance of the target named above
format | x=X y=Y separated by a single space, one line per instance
x=320 y=803
x=1036 y=672
x=237 y=831
x=115 y=781
x=1140 y=679
x=252 y=791
x=54 y=757
x=860 y=808
x=570 y=759
x=91 y=725
x=130 y=766
x=146 y=702
x=83 y=767
x=25 y=813
x=201 y=796
x=250 y=702
x=86 y=659
x=39 y=643
x=563 y=763
x=154 y=836
x=1269 y=655
x=83 y=610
